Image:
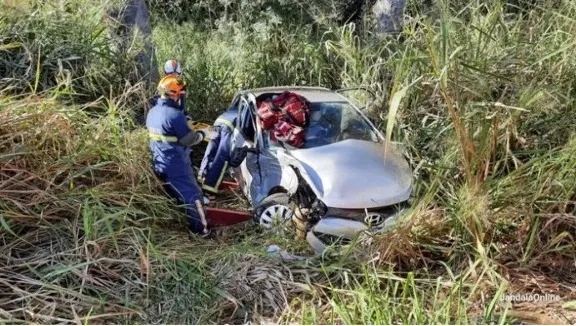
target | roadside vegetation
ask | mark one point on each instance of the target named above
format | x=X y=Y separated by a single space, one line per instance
x=480 y=96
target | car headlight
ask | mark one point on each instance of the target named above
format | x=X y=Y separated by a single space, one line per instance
x=319 y=208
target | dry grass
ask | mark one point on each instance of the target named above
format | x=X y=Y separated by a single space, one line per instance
x=86 y=241
x=70 y=214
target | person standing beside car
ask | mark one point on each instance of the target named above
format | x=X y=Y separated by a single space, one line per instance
x=170 y=142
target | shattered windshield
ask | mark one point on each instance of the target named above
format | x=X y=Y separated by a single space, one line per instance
x=331 y=122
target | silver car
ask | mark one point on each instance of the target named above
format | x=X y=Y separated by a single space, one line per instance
x=339 y=184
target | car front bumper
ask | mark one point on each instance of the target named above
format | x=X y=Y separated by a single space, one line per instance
x=333 y=227
x=345 y=228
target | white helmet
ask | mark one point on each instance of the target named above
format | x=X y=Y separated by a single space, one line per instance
x=172 y=67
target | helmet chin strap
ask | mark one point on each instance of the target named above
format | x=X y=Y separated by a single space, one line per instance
x=176 y=98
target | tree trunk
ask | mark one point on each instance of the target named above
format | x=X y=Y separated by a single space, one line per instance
x=389 y=15
x=134 y=21
x=136 y=18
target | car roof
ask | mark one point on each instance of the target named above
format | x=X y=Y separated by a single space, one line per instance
x=312 y=94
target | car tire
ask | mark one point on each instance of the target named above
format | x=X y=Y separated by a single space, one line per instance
x=277 y=203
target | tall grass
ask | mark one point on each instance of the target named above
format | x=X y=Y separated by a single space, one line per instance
x=72 y=48
x=376 y=297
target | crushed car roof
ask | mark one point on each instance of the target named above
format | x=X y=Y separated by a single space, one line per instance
x=313 y=94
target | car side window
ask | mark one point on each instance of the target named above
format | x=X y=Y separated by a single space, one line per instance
x=246 y=121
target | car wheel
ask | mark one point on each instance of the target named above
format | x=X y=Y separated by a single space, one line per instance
x=274 y=209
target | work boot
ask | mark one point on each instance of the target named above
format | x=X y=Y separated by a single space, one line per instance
x=210 y=234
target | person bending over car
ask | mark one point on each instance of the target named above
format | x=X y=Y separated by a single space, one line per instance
x=218 y=152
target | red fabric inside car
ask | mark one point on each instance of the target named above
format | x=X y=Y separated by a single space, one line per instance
x=286 y=115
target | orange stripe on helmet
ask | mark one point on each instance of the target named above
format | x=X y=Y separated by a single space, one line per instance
x=171 y=85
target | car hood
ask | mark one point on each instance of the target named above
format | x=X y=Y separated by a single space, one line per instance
x=356 y=174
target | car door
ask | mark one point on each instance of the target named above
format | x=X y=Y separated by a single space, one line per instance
x=269 y=173
x=260 y=171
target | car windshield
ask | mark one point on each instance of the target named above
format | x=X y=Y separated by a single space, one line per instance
x=331 y=122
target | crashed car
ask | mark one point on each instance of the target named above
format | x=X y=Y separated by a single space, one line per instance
x=340 y=182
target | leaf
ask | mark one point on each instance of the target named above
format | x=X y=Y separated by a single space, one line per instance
x=6 y=226
x=394 y=105
x=4 y=47
x=570 y=305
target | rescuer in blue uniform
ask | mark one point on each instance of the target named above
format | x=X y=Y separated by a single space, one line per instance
x=170 y=142
x=217 y=156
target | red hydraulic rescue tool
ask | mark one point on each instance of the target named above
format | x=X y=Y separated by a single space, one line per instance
x=219 y=217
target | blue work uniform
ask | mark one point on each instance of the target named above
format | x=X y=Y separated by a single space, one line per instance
x=217 y=156
x=171 y=162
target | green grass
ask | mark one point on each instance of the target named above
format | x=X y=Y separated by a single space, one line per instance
x=481 y=101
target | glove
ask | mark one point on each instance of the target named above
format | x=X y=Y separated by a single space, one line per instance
x=203 y=134
x=209 y=133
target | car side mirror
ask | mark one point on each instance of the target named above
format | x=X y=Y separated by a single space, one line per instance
x=238 y=155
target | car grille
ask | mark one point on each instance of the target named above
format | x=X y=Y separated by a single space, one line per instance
x=329 y=239
x=372 y=217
